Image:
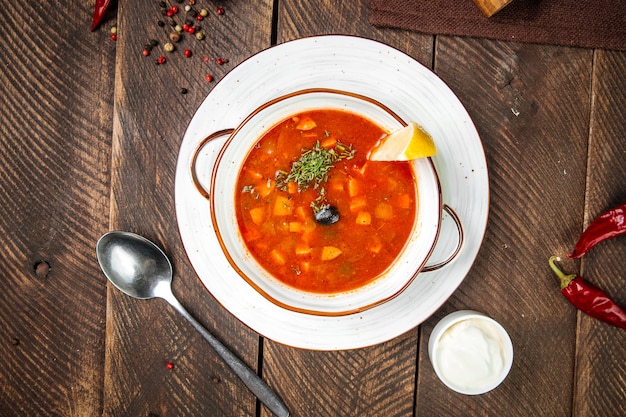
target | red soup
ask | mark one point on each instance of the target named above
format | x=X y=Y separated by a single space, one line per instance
x=314 y=212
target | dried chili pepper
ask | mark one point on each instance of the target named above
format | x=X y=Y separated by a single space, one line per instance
x=606 y=226
x=588 y=298
x=99 y=12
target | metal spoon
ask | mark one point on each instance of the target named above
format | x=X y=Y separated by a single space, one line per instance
x=139 y=268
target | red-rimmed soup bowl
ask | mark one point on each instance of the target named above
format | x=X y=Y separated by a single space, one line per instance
x=393 y=276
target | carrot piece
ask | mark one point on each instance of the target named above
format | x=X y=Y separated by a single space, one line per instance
x=302 y=248
x=306 y=123
x=330 y=252
x=375 y=245
x=335 y=185
x=255 y=174
x=305 y=266
x=357 y=203
x=403 y=201
x=292 y=187
x=383 y=211
x=364 y=218
x=301 y=213
x=278 y=257
x=282 y=206
x=329 y=142
x=296 y=227
x=265 y=188
x=257 y=215
x=353 y=186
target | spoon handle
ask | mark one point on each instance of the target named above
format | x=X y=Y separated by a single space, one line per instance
x=258 y=387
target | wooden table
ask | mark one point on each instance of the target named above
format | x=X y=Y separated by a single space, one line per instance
x=90 y=134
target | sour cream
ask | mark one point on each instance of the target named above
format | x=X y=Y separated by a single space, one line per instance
x=471 y=353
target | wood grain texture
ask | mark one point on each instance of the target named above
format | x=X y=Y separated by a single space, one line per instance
x=601 y=349
x=55 y=148
x=90 y=131
x=376 y=381
x=150 y=119
x=531 y=107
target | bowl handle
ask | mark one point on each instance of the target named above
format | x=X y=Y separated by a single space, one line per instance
x=194 y=173
x=460 y=240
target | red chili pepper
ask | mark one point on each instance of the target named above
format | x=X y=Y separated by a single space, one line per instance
x=607 y=225
x=588 y=298
x=99 y=12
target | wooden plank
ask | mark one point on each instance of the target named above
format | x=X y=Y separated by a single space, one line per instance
x=55 y=148
x=151 y=115
x=375 y=381
x=601 y=349
x=531 y=106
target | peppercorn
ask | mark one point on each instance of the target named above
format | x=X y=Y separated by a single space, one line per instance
x=220 y=10
x=204 y=12
x=199 y=35
x=161 y=60
x=162 y=4
x=221 y=61
x=187 y=53
x=178 y=28
x=113 y=37
x=114 y=30
x=174 y=37
x=183 y=91
x=153 y=42
x=169 y=47
x=209 y=77
x=160 y=23
x=199 y=18
x=145 y=52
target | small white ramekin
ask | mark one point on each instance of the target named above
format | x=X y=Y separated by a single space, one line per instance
x=470 y=352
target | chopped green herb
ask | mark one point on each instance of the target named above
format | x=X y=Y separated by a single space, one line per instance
x=313 y=166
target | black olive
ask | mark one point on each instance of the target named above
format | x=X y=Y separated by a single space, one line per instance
x=327 y=216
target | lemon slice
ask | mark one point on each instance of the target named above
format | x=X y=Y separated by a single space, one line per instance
x=408 y=143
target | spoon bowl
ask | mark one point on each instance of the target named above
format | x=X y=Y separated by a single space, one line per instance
x=140 y=269
x=133 y=264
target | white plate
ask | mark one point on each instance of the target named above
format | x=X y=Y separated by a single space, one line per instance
x=409 y=89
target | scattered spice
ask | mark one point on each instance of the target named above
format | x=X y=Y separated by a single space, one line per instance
x=169 y=47
x=42 y=269
x=170 y=365
x=175 y=37
x=183 y=18
x=312 y=168
x=183 y=91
